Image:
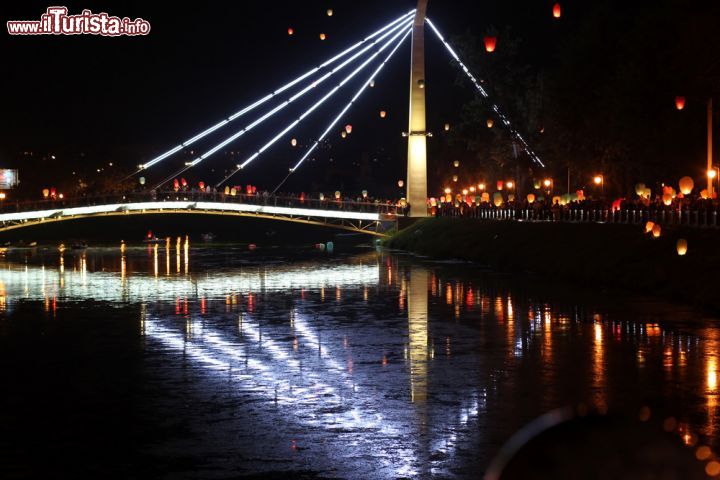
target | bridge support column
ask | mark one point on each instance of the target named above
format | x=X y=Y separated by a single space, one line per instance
x=417 y=135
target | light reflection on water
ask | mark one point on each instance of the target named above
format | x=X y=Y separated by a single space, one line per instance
x=374 y=363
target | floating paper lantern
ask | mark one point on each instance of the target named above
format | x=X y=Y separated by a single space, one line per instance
x=227 y=190
x=680 y=103
x=447 y=127
x=364 y=193
x=556 y=200
x=348 y=128
x=329 y=12
x=183 y=182
x=656 y=231
x=233 y=191
x=372 y=83
x=46 y=192
x=455 y=178
x=682 y=246
x=383 y=113
x=142 y=180
x=322 y=197
x=456 y=163
x=686 y=185
x=448 y=198
x=337 y=195
x=537 y=184
x=640 y=189
x=490 y=123
x=649 y=226
x=421 y=83
x=290 y=31
x=485 y=197
x=176 y=184
x=401 y=183
x=201 y=185
x=323 y=36
x=667 y=199
x=497 y=199
x=293 y=142
x=557 y=11
x=490 y=44
x=704 y=194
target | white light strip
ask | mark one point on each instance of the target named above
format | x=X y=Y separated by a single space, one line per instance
x=347 y=107
x=209 y=206
x=290 y=100
x=320 y=102
x=271 y=95
x=483 y=92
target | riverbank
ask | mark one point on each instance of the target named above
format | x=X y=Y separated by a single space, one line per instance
x=606 y=256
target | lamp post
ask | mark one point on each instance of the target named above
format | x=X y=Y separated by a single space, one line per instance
x=680 y=105
x=600 y=180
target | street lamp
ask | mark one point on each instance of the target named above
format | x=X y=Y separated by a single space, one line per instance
x=680 y=105
x=600 y=180
x=548 y=185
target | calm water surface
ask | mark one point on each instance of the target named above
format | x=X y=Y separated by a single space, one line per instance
x=200 y=361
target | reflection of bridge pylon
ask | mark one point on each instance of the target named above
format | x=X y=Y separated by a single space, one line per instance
x=417 y=301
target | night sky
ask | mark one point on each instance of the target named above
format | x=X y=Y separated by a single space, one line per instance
x=92 y=100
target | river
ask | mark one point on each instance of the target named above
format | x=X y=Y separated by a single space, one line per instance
x=216 y=361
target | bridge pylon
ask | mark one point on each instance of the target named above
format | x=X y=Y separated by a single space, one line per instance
x=416 y=183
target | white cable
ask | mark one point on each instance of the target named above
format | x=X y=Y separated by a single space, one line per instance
x=483 y=92
x=273 y=94
x=347 y=107
x=320 y=102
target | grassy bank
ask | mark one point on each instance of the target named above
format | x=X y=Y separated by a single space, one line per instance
x=613 y=256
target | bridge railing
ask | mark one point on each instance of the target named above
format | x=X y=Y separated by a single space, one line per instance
x=197 y=196
x=640 y=216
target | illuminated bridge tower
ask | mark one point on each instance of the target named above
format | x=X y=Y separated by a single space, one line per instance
x=417 y=136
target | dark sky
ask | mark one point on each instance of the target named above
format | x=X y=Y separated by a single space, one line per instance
x=126 y=99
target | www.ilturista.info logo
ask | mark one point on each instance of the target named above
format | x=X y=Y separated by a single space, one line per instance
x=56 y=21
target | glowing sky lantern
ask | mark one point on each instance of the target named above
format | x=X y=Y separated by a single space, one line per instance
x=447 y=127
x=291 y=31
x=686 y=185
x=176 y=184
x=401 y=183
x=343 y=134
x=531 y=198
x=337 y=195
x=201 y=185
x=183 y=182
x=681 y=246
x=667 y=199
x=329 y=12
x=456 y=163
x=499 y=184
x=293 y=142
x=490 y=123
x=680 y=103
x=455 y=178
x=497 y=199
x=640 y=189
x=323 y=36
x=656 y=231
x=557 y=11
x=383 y=113
x=649 y=227
x=372 y=83
x=348 y=128
x=46 y=192
x=490 y=44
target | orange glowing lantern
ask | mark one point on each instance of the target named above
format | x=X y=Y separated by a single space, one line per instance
x=649 y=227
x=686 y=185
x=227 y=190
x=682 y=247
x=46 y=192
x=667 y=199
x=176 y=184
x=490 y=123
x=447 y=127
x=323 y=36
x=348 y=129
x=557 y=11
x=680 y=103
x=383 y=113
x=290 y=31
x=455 y=178
x=656 y=231
x=456 y=163
x=183 y=182
x=343 y=134
x=490 y=44
x=497 y=199
x=201 y=185
x=293 y=142
x=337 y=195
x=499 y=184
x=704 y=194
x=401 y=183
x=531 y=198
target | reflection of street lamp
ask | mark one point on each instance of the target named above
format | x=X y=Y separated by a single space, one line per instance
x=600 y=180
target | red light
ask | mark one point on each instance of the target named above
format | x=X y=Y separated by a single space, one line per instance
x=679 y=103
x=490 y=44
x=290 y=31
x=557 y=11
